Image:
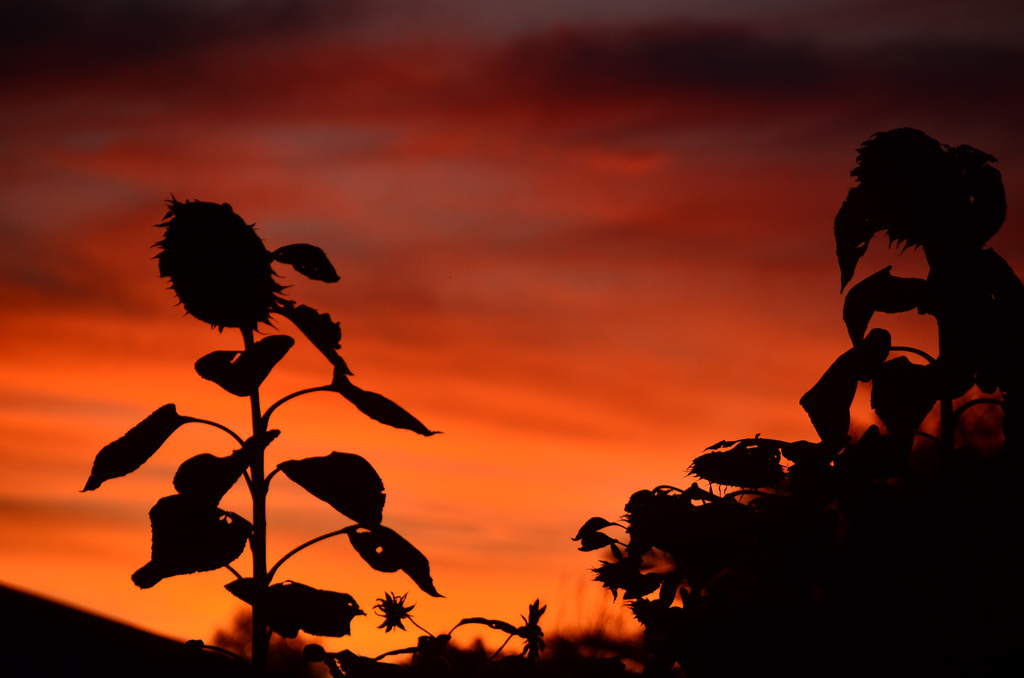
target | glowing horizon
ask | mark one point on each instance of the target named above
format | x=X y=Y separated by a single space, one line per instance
x=584 y=246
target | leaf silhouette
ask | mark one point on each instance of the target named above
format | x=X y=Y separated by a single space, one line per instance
x=376 y=406
x=345 y=481
x=308 y=260
x=207 y=478
x=191 y=536
x=293 y=607
x=883 y=292
x=386 y=551
x=131 y=450
x=828 y=402
x=322 y=332
x=750 y=464
x=242 y=372
x=903 y=393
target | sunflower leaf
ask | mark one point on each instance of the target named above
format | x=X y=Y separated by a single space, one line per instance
x=134 y=448
x=386 y=551
x=345 y=481
x=319 y=328
x=294 y=607
x=191 y=536
x=883 y=292
x=828 y=402
x=241 y=373
x=308 y=260
x=376 y=406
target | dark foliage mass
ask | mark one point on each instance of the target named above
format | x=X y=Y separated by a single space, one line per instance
x=887 y=555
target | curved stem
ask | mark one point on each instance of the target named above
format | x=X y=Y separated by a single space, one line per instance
x=282 y=401
x=222 y=427
x=498 y=651
x=413 y=622
x=278 y=564
x=271 y=475
x=977 y=401
x=929 y=436
x=915 y=351
x=233 y=571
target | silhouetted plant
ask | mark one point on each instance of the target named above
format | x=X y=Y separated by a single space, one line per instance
x=223 y=275
x=431 y=655
x=887 y=555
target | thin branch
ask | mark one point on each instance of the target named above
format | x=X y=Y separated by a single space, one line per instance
x=282 y=401
x=498 y=651
x=273 y=570
x=977 y=401
x=929 y=436
x=915 y=351
x=222 y=427
x=234 y=572
x=271 y=475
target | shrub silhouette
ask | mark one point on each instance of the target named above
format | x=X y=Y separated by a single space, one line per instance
x=223 y=275
x=892 y=554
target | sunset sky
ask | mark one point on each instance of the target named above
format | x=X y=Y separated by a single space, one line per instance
x=585 y=239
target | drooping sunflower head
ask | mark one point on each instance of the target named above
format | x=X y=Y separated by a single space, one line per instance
x=219 y=268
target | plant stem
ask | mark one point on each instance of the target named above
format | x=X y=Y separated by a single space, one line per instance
x=273 y=570
x=258 y=541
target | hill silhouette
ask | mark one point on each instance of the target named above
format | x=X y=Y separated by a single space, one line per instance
x=39 y=637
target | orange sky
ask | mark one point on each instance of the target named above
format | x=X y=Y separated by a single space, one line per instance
x=584 y=242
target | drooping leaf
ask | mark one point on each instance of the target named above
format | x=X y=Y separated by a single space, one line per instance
x=377 y=407
x=386 y=551
x=345 y=481
x=592 y=541
x=308 y=260
x=322 y=332
x=590 y=536
x=883 y=292
x=131 y=450
x=903 y=393
x=750 y=463
x=191 y=536
x=207 y=478
x=293 y=607
x=828 y=402
x=242 y=372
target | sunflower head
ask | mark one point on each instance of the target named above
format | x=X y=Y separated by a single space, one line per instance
x=218 y=266
x=393 y=609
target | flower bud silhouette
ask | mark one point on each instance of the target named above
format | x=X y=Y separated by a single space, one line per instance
x=219 y=268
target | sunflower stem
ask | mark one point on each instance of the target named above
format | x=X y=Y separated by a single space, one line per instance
x=258 y=541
